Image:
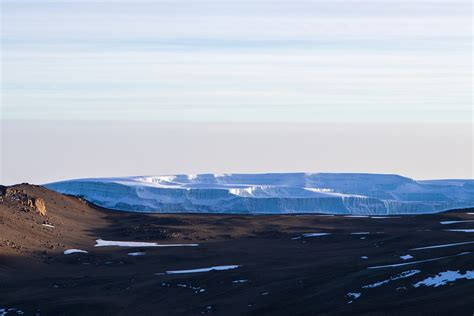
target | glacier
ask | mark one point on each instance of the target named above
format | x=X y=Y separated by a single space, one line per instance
x=274 y=193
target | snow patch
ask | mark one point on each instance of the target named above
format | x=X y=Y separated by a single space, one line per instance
x=71 y=251
x=195 y=289
x=112 y=243
x=200 y=270
x=48 y=225
x=6 y=311
x=135 y=254
x=444 y=245
x=406 y=257
x=455 y=222
x=307 y=235
x=315 y=234
x=461 y=230
x=415 y=262
x=353 y=296
x=403 y=275
x=444 y=278
x=240 y=281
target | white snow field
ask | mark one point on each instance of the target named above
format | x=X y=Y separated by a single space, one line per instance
x=444 y=245
x=7 y=311
x=71 y=251
x=274 y=193
x=455 y=222
x=200 y=270
x=353 y=296
x=403 y=275
x=307 y=235
x=444 y=278
x=113 y=243
x=240 y=281
x=416 y=262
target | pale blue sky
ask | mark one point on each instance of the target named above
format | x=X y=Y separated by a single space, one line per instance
x=380 y=86
x=248 y=61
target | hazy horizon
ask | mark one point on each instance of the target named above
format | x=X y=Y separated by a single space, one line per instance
x=47 y=151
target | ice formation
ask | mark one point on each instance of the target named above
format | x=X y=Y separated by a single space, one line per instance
x=274 y=193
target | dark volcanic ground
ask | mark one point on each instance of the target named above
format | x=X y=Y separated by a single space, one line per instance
x=280 y=273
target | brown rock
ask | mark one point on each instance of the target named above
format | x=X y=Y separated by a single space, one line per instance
x=40 y=206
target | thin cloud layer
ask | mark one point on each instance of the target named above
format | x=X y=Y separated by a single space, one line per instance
x=244 y=61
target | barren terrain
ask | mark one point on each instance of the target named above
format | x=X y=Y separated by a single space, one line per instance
x=266 y=265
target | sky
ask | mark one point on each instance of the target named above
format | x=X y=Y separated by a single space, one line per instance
x=146 y=67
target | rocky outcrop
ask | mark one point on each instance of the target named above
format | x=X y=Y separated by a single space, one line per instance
x=15 y=196
x=40 y=206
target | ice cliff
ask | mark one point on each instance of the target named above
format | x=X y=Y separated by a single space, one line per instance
x=274 y=193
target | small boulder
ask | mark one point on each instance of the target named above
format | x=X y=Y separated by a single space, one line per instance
x=40 y=206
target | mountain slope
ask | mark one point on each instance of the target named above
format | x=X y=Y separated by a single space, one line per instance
x=282 y=264
x=66 y=223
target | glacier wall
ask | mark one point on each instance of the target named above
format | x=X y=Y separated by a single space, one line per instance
x=274 y=193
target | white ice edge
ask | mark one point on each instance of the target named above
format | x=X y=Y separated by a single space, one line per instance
x=113 y=243
x=135 y=254
x=415 y=262
x=200 y=270
x=461 y=230
x=71 y=251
